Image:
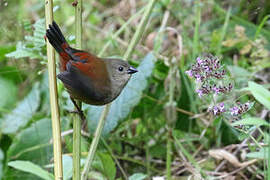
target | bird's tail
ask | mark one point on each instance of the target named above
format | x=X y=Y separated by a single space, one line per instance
x=58 y=41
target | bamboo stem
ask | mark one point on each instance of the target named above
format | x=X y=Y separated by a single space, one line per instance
x=76 y=119
x=105 y=112
x=57 y=149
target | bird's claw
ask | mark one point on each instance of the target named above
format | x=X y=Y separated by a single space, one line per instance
x=80 y=113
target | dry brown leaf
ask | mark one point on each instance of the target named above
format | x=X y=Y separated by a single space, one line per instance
x=246 y=49
x=240 y=31
x=150 y=40
x=222 y=154
x=230 y=42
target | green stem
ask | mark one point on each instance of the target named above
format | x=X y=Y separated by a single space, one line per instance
x=105 y=112
x=56 y=130
x=168 y=156
x=94 y=143
x=76 y=118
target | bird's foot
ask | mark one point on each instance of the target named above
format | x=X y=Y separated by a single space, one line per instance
x=80 y=113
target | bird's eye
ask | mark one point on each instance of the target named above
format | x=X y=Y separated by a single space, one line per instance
x=120 y=68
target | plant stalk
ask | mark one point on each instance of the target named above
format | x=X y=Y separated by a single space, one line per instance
x=224 y=30
x=195 y=45
x=169 y=152
x=56 y=130
x=138 y=34
x=94 y=143
x=105 y=112
x=76 y=118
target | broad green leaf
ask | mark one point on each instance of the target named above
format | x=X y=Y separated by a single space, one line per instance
x=251 y=121
x=1 y=163
x=238 y=72
x=137 y=176
x=8 y=93
x=240 y=75
x=262 y=154
x=260 y=93
x=67 y=167
x=32 y=168
x=33 y=142
x=21 y=115
x=129 y=98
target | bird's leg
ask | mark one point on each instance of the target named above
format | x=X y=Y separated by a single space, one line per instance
x=79 y=111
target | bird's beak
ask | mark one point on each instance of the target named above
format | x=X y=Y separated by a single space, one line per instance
x=132 y=70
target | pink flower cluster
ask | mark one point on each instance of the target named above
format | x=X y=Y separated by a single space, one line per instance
x=240 y=109
x=206 y=68
x=209 y=73
x=218 y=109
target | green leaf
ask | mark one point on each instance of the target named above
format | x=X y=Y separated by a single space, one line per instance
x=108 y=166
x=8 y=93
x=262 y=154
x=4 y=50
x=251 y=121
x=260 y=93
x=129 y=98
x=26 y=49
x=1 y=163
x=33 y=141
x=21 y=115
x=12 y=73
x=137 y=176
x=22 y=51
x=32 y=168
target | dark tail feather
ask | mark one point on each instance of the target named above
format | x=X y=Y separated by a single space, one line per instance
x=55 y=37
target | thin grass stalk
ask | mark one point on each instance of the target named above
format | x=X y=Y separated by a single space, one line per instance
x=190 y=158
x=224 y=30
x=76 y=154
x=267 y=156
x=168 y=155
x=105 y=112
x=94 y=143
x=138 y=33
x=119 y=31
x=56 y=130
x=195 y=45
x=261 y=26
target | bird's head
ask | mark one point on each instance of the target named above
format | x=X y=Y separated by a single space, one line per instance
x=120 y=72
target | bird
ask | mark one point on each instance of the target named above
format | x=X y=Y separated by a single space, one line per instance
x=88 y=78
